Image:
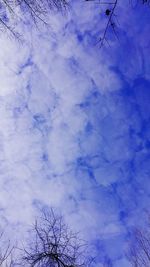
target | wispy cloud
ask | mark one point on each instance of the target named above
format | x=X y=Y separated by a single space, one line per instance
x=74 y=127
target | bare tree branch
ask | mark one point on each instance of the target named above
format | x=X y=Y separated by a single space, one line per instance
x=112 y=16
x=139 y=251
x=37 y=9
x=6 y=251
x=53 y=244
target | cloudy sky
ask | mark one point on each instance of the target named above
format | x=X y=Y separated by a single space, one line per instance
x=75 y=125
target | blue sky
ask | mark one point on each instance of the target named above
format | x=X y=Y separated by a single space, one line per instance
x=74 y=128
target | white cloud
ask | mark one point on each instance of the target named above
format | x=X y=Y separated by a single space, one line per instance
x=63 y=130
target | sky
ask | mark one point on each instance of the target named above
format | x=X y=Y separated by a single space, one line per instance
x=74 y=126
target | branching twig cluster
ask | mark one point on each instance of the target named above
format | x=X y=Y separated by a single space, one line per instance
x=110 y=22
x=139 y=253
x=37 y=9
x=6 y=251
x=112 y=16
x=110 y=8
x=52 y=244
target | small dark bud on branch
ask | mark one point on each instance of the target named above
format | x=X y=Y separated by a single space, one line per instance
x=107 y=12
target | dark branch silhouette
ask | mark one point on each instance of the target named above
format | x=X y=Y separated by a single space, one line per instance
x=6 y=251
x=139 y=251
x=53 y=244
x=36 y=9
x=112 y=16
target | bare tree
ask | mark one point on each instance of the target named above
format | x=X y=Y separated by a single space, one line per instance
x=139 y=251
x=6 y=252
x=39 y=9
x=53 y=244
x=36 y=9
